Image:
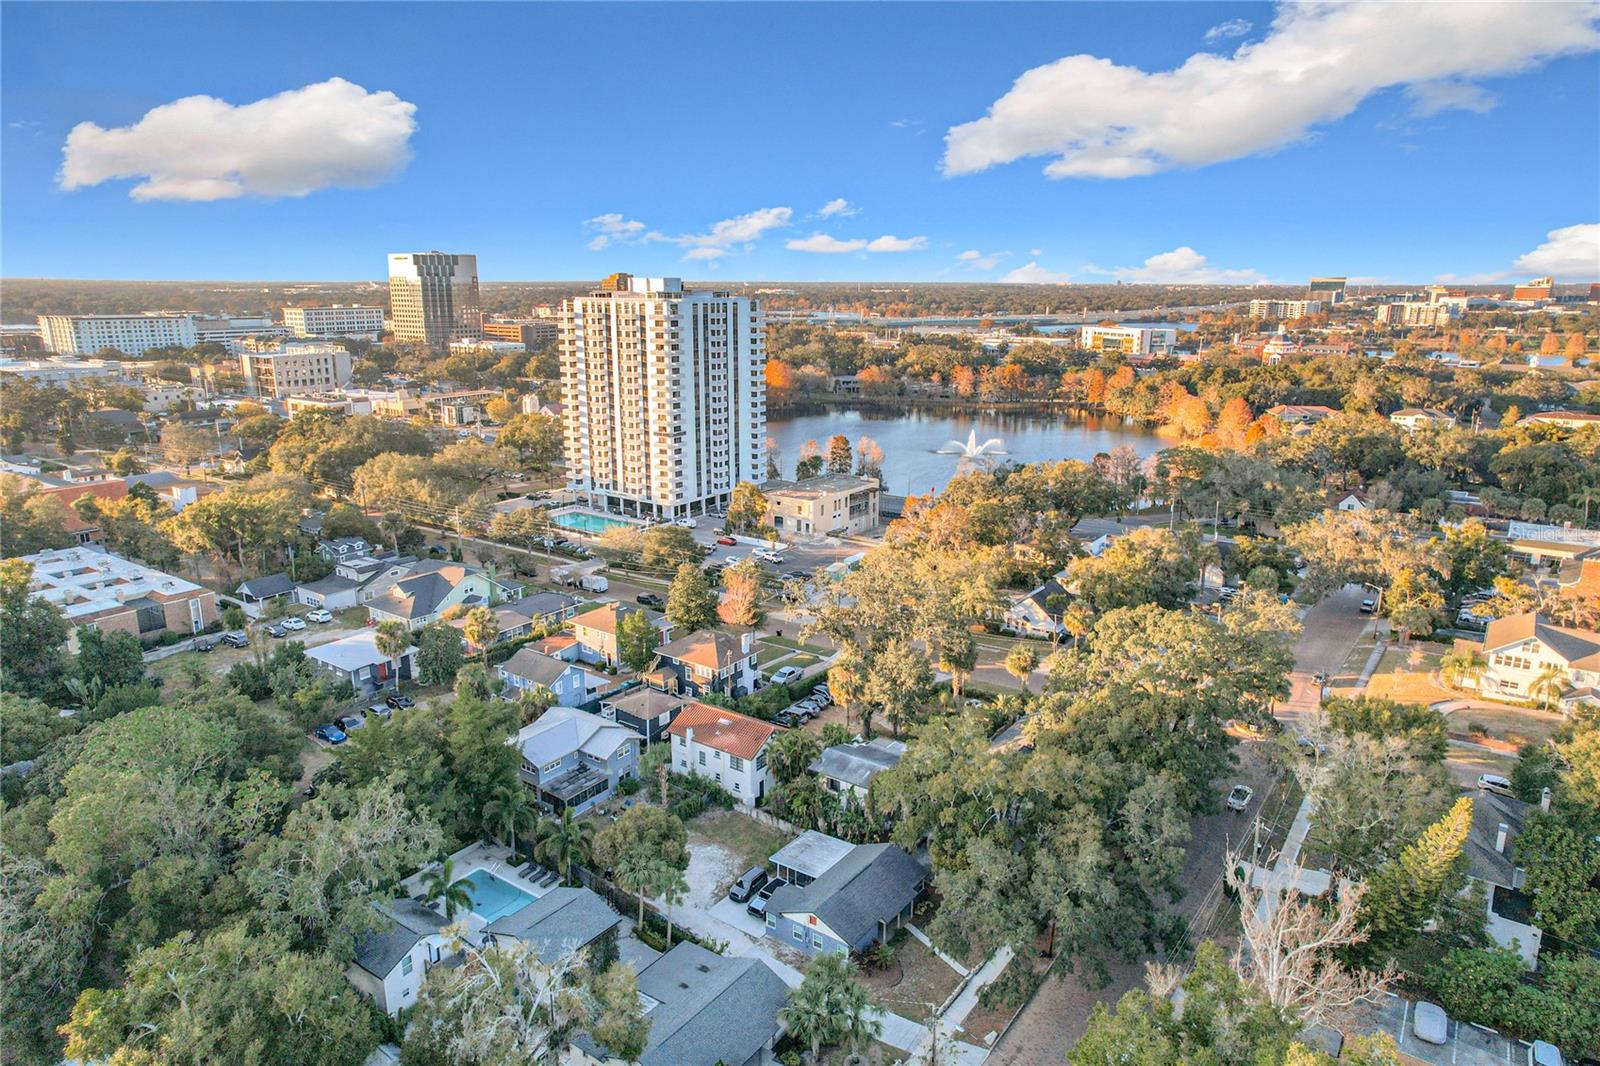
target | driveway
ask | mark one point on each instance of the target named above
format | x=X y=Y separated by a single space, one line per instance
x=1328 y=632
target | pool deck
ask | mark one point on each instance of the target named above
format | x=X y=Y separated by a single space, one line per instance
x=494 y=859
x=597 y=521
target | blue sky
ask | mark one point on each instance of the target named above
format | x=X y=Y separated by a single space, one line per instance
x=1425 y=150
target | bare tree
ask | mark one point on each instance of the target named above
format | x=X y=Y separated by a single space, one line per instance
x=1289 y=944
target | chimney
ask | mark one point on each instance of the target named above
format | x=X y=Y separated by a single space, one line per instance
x=688 y=735
x=744 y=644
x=1500 y=837
x=1544 y=799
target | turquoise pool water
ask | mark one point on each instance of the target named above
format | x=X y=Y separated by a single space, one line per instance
x=584 y=522
x=493 y=898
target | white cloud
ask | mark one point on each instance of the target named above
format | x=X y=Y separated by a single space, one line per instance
x=331 y=134
x=1430 y=98
x=1316 y=65
x=823 y=244
x=1033 y=274
x=730 y=234
x=1181 y=266
x=977 y=260
x=889 y=243
x=841 y=206
x=613 y=229
x=1222 y=31
x=1571 y=253
x=1035 y=252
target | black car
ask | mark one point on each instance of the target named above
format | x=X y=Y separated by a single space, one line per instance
x=236 y=639
x=650 y=599
x=400 y=702
x=787 y=719
x=277 y=631
x=204 y=644
x=749 y=883
x=758 y=903
x=798 y=575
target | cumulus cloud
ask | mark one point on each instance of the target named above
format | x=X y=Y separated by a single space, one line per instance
x=1316 y=65
x=890 y=243
x=613 y=229
x=1181 y=266
x=823 y=244
x=331 y=134
x=1571 y=253
x=1222 y=31
x=1432 y=97
x=977 y=260
x=731 y=233
x=1032 y=273
x=841 y=206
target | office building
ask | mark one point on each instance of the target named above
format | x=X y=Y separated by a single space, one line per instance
x=433 y=298
x=664 y=396
x=336 y=320
x=528 y=332
x=1537 y=289
x=1424 y=315
x=233 y=333
x=830 y=504
x=1327 y=290
x=313 y=367
x=1284 y=309
x=1128 y=340
x=129 y=334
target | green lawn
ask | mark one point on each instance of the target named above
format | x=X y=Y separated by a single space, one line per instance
x=801 y=660
x=794 y=645
x=766 y=656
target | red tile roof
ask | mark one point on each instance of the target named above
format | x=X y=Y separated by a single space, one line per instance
x=68 y=494
x=726 y=731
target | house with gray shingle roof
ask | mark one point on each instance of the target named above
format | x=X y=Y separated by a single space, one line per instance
x=851 y=767
x=433 y=587
x=529 y=668
x=390 y=964
x=1495 y=862
x=859 y=901
x=704 y=1009
x=558 y=923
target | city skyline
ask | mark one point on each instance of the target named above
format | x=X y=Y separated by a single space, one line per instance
x=913 y=143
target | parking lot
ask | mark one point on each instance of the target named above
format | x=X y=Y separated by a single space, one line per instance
x=1465 y=1045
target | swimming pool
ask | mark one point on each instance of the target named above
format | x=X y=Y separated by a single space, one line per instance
x=494 y=898
x=584 y=522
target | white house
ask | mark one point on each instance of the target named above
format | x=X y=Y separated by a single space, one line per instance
x=1038 y=614
x=1412 y=419
x=1525 y=648
x=728 y=747
x=1350 y=501
x=389 y=966
x=356 y=659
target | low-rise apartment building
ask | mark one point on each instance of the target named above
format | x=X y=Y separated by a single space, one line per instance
x=116 y=595
x=830 y=504
x=313 y=367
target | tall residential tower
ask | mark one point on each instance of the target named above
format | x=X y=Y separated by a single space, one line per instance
x=664 y=396
x=433 y=298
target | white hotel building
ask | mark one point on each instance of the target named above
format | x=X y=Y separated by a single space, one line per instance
x=336 y=320
x=664 y=396
x=294 y=368
x=128 y=334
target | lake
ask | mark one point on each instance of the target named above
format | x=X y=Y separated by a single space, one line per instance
x=910 y=439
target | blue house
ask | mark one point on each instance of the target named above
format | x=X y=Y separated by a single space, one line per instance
x=528 y=668
x=859 y=901
x=573 y=759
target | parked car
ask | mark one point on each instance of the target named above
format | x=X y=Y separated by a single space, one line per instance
x=350 y=722
x=727 y=541
x=203 y=644
x=400 y=702
x=650 y=599
x=382 y=710
x=1544 y=1053
x=785 y=674
x=686 y=523
x=766 y=556
x=1494 y=783
x=1319 y=678
x=798 y=575
x=748 y=884
x=1429 y=1022
x=319 y=615
x=293 y=625
x=1240 y=797
x=236 y=638
x=758 y=904
x=277 y=631
x=788 y=719
x=1369 y=605
x=331 y=733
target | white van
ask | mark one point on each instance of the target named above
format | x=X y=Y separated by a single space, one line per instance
x=593 y=583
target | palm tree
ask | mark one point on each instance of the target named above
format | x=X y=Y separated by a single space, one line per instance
x=958 y=657
x=633 y=874
x=441 y=885
x=807 y=1016
x=831 y=1007
x=561 y=841
x=1549 y=685
x=391 y=639
x=1076 y=621
x=669 y=882
x=481 y=628
x=509 y=809
x=392 y=524
x=1021 y=661
x=1460 y=666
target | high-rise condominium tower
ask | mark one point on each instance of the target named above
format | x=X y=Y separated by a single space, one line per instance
x=664 y=396
x=433 y=297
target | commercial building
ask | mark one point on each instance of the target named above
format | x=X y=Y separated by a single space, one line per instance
x=60 y=371
x=312 y=367
x=232 y=333
x=335 y=320
x=1128 y=340
x=1425 y=315
x=830 y=504
x=116 y=595
x=528 y=332
x=1277 y=309
x=1537 y=289
x=664 y=394
x=1328 y=290
x=128 y=334
x=433 y=298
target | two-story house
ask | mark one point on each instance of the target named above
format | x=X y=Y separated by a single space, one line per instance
x=596 y=630
x=432 y=588
x=645 y=710
x=573 y=759
x=356 y=659
x=529 y=668
x=707 y=661
x=1529 y=657
x=1493 y=861
x=547 y=609
x=728 y=747
x=1038 y=614
x=389 y=965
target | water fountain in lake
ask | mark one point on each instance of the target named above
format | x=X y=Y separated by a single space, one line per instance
x=974 y=456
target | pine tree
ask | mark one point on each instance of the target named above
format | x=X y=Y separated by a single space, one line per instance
x=1407 y=891
x=691 y=603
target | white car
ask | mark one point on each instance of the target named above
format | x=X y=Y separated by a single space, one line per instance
x=767 y=556
x=1494 y=783
x=1239 y=798
x=319 y=615
x=1429 y=1022
x=293 y=625
x=785 y=674
x=686 y=523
